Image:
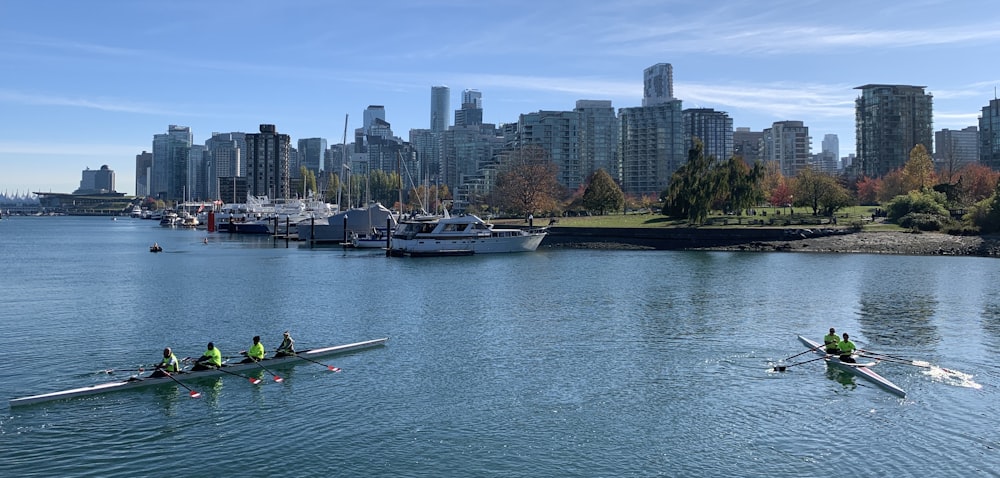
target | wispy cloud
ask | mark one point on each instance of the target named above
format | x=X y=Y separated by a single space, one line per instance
x=104 y=104
x=69 y=149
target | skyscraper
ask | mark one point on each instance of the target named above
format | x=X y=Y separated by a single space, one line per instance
x=311 y=151
x=658 y=81
x=651 y=138
x=831 y=144
x=748 y=145
x=788 y=144
x=598 y=137
x=143 y=167
x=890 y=121
x=954 y=149
x=556 y=132
x=268 y=163
x=440 y=108
x=471 y=113
x=713 y=128
x=652 y=146
x=989 y=135
x=170 y=158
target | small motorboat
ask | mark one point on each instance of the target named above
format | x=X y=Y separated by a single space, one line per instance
x=155 y=248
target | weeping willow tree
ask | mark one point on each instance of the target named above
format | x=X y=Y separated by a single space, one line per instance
x=693 y=187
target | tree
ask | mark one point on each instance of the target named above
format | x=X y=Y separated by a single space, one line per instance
x=693 y=187
x=891 y=185
x=603 y=194
x=527 y=182
x=868 y=190
x=918 y=172
x=744 y=184
x=977 y=182
x=308 y=181
x=821 y=192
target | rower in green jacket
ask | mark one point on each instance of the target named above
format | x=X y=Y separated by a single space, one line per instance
x=256 y=352
x=832 y=342
x=846 y=349
x=211 y=359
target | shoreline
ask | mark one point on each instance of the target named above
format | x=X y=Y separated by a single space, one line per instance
x=839 y=242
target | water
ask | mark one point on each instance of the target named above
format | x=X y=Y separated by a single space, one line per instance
x=558 y=363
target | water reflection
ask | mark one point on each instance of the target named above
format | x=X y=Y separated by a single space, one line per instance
x=841 y=377
x=898 y=312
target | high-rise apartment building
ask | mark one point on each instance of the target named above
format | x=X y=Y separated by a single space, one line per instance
x=891 y=120
x=199 y=166
x=225 y=153
x=97 y=181
x=558 y=133
x=143 y=172
x=471 y=113
x=268 y=163
x=831 y=144
x=170 y=158
x=748 y=145
x=954 y=149
x=651 y=138
x=989 y=135
x=788 y=144
x=652 y=146
x=713 y=128
x=311 y=152
x=658 y=84
x=598 y=137
x=440 y=108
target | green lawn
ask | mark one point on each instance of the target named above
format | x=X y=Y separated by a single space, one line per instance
x=775 y=217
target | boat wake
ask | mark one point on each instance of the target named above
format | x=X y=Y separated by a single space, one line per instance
x=948 y=376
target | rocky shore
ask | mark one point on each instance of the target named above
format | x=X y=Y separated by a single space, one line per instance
x=904 y=243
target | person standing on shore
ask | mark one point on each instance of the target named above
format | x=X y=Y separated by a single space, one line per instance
x=846 y=349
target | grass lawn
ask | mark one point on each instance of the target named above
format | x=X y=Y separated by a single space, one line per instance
x=775 y=217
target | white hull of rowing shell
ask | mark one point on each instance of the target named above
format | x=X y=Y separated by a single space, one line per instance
x=860 y=370
x=146 y=382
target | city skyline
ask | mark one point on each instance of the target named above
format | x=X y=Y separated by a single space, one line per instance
x=88 y=85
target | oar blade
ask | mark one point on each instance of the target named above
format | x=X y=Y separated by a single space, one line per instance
x=278 y=379
x=332 y=368
x=194 y=394
x=255 y=380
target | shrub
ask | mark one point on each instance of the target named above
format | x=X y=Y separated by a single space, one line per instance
x=923 y=221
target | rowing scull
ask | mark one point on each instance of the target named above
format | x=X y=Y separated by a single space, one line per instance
x=137 y=382
x=862 y=370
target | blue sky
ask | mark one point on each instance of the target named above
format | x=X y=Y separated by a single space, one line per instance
x=83 y=84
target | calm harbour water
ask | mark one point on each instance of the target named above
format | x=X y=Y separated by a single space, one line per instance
x=569 y=363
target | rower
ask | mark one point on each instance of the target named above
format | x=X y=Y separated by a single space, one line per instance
x=287 y=346
x=831 y=341
x=256 y=352
x=211 y=359
x=846 y=349
x=169 y=364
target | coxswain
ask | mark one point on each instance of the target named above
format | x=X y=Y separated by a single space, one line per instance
x=211 y=359
x=287 y=346
x=168 y=365
x=256 y=352
x=832 y=342
x=846 y=349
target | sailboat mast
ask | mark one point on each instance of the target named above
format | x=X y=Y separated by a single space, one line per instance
x=343 y=164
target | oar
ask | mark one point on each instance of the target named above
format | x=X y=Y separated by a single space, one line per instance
x=330 y=367
x=253 y=380
x=276 y=377
x=781 y=368
x=900 y=360
x=807 y=351
x=193 y=393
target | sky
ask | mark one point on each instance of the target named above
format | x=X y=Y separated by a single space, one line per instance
x=85 y=84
